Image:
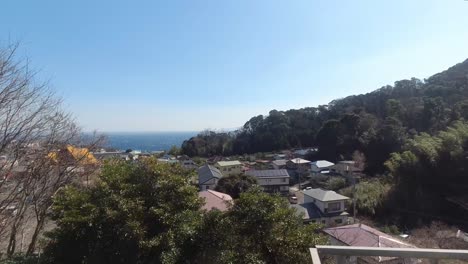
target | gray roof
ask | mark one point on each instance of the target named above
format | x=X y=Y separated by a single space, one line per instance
x=208 y=172
x=311 y=211
x=268 y=173
x=281 y=162
x=324 y=195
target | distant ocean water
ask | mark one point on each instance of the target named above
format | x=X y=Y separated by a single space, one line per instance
x=147 y=141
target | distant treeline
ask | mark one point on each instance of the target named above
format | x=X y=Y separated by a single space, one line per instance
x=376 y=124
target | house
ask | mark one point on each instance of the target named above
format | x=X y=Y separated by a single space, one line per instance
x=102 y=155
x=188 y=164
x=347 y=169
x=208 y=177
x=279 y=157
x=301 y=153
x=272 y=181
x=298 y=164
x=71 y=155
x=321 y=166
x=361 y=235
x=344 y=167
x=215 y=200
x=279 y=164
x=323 y=206
x=229 y=168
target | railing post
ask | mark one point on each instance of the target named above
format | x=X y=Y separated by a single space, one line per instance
x=315 y=256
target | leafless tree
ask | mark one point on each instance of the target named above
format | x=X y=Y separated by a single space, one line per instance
x=41 y=150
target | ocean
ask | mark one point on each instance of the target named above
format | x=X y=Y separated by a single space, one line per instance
x=147 y=141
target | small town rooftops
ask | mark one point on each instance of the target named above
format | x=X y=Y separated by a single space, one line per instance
x=215 y=200
x=229 y=163
x=268 y=173
x=299 y=161
x=208 y=172
x=322 y=163
x=324 y=195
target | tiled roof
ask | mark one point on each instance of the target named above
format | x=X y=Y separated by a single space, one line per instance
x=324 y=195
x=365 y=236
x=299 y=161
x=229 y=163
x=268 y=173
x=208 y=172
x=280 y=162
x=311 y=211
x=322 y=163
x=215 y=200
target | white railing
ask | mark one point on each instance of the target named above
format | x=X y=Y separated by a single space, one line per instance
x=408 y=253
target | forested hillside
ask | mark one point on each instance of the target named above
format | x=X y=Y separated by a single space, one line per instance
x=377 y=123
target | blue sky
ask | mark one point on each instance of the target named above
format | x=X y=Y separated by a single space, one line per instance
x=190 y=65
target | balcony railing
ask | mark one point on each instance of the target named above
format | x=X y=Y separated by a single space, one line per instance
x=402 y=253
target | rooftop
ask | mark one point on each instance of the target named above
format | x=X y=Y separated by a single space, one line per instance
x=311 y=211
x=300 y=161
x=268 y=173
x=324 y=195
x=280 y=162
x=215 y=200
x=207 y=172
x=229 y=163
x=323 y=163
x=361 y=235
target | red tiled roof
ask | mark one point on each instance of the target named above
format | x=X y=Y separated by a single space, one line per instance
x=360 y=235
x=215 y=200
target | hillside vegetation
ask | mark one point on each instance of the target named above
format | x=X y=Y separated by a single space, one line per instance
x=377 y=123
x=414 y=137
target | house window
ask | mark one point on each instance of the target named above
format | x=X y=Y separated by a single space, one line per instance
x=334 y=206
x=339 y=221
x=207 y=187
x=283 y=180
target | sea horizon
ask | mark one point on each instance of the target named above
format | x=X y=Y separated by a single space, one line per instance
x=145 y=140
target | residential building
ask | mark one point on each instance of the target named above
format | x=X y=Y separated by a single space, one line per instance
x=102 y=155
x=301 y=153
x=345 y=167
x=321 y=166
x=271 y=180
x=229 y=168
x=188 y=164
x=360 y=235
x=348 y=170
x=279 y=157
x=208 y=177
x=298 y=164
x=323 y=206
x=215 y=200
x=279 y=164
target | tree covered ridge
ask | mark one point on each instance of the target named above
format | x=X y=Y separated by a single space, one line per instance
x=377 y=123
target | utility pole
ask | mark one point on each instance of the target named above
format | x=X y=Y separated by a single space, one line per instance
x=354 y=196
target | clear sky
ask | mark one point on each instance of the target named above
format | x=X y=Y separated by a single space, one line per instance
x=195 y=64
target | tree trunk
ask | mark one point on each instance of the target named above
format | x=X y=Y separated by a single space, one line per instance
x=37 y=230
